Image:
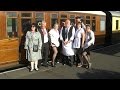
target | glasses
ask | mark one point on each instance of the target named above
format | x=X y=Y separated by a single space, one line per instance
x=33 y=26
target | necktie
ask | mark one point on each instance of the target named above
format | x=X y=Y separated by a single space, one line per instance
x=43 y=30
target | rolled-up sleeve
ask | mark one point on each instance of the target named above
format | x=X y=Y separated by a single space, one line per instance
x=61 y=38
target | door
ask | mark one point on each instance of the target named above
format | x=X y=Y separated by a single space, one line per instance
x=25 y=26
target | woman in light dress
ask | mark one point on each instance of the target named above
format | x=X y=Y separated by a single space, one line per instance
x=33 y=37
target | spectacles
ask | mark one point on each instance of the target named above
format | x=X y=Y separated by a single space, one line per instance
x=33 y=26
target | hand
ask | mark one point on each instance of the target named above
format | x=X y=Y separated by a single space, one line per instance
x=68 y=41
x=64 y=42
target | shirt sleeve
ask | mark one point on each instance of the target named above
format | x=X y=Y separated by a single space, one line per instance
x=51 y=36
x=92 y=39
x=61 y=38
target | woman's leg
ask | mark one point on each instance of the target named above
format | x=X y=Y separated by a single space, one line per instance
x=36 y=65
x=32 y=65
x=55 y=51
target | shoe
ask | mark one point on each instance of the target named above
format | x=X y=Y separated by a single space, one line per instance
x=79 y=65
x=58 y=62
x=31 y=70
x=36 y=69
x=70 y=64
x=89 y=66
x=53 y=65
x=45 y=65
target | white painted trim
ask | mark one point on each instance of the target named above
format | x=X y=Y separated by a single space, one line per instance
x=90 y=12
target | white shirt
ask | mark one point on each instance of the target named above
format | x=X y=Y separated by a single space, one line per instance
x=45 y=36
x=77 y=39
x=92 y=41
x=67 y=49
x=73 y=32
x=54 y=35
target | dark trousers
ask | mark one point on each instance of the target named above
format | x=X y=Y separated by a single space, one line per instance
x=45 y=53
x=69 y=60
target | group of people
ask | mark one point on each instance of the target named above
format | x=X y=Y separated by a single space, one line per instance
x=70 y=43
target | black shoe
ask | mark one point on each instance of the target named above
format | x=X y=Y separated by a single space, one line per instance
x=52 y=64
x=70 y=64
x=45 y=65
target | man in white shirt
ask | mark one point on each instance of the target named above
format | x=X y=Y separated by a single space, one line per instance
x=78 y=19
x=67 y=36
x=45 y=40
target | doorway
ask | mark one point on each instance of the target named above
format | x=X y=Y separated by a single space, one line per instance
x=25 y=26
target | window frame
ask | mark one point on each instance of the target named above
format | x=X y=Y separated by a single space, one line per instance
x=53 y=18
x=7 y=17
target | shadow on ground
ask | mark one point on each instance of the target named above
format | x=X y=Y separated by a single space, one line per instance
x=112 y=50
x=99 y=74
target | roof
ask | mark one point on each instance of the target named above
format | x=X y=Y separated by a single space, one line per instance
x=115 y=13
x=90 y=12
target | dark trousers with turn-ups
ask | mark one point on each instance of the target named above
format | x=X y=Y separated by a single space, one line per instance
x=45 y=53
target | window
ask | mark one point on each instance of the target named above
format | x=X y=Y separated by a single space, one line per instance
x=54 y=19
x=72 y=19
x=93 y=25
x=63 y=18
x=87 y=21
x=26 y=14
x=102 y=23
x=12 y=24
x=87 y=17
x=39 y=17
x=11 y=14
x=117 y=23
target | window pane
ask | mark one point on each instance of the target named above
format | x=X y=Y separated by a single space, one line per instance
x=72 y=16
x=40 y=15
x=102 y=18
x=12 y=27
x=93 y=25
x=54 y=16
x=26 y=14
x=102 y=23
x=53 y=21
x=72 y=21
x=117 y=22
x=12 y=14
x=63 y=16
x=87 y=17
x=93 y=17
x=39 y=20
x=87 y=21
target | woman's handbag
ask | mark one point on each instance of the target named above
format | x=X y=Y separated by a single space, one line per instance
x=35 y=48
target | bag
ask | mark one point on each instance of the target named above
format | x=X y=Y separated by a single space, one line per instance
x=35 y=48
